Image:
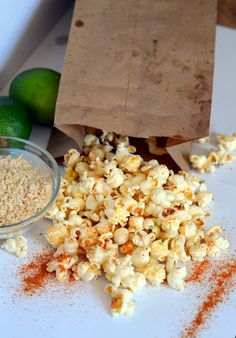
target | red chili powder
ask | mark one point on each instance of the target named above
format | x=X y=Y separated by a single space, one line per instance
x=220 y=287
x=197 y=271
x=70 y=279
x=34 y=275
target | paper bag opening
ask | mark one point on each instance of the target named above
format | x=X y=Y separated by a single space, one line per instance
x=140 y=68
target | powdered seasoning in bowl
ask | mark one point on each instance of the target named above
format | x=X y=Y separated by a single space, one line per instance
x=29 y=184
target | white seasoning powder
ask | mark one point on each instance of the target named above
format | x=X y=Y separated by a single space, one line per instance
x=24 y=191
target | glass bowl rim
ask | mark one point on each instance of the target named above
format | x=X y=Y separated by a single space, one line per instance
x=55 y=185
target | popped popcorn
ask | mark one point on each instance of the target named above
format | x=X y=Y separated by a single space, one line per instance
x=154 y=272
x=216 y=157
x=159 y=249
x=56 y=234
x=131 y=220
x=87 y=271
x=141 y=238
x=140 y=257
x=203 y=139
x=228 y=142
x=175 y=278
x=121 y=236
x=120 y=301
x=17 y=246
x=198 y=251
x=154 y=148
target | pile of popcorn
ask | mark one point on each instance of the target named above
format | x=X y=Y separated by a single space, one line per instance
x=132 y=221
x=219 y=156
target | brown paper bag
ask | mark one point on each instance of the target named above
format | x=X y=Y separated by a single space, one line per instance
x=227 y=13
x=139 y=68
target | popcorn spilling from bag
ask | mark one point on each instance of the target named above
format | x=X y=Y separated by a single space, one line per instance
x=132 y=221
x=216 y=157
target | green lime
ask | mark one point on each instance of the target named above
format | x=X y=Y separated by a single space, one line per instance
x=37 y=88
x=14 y=118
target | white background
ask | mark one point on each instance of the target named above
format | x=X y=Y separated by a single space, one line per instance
x=23 y=24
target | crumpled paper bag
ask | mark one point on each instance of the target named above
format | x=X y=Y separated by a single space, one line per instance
x=140 y=68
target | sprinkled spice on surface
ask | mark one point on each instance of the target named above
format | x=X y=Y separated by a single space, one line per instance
x=35 y=279
x=221 y=284
x=197 y=271
x=34 y=275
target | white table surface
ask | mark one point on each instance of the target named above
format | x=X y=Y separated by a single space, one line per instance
x=159 y=313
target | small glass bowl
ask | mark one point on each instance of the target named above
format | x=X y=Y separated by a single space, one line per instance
x=41 y=159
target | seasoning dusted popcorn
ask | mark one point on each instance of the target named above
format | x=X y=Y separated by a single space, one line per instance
x=228 y=142
x=120 y=300
x=216 y=157
x=127 y=219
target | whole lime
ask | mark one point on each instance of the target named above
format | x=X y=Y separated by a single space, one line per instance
x=37 y=88
x=14 y=118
